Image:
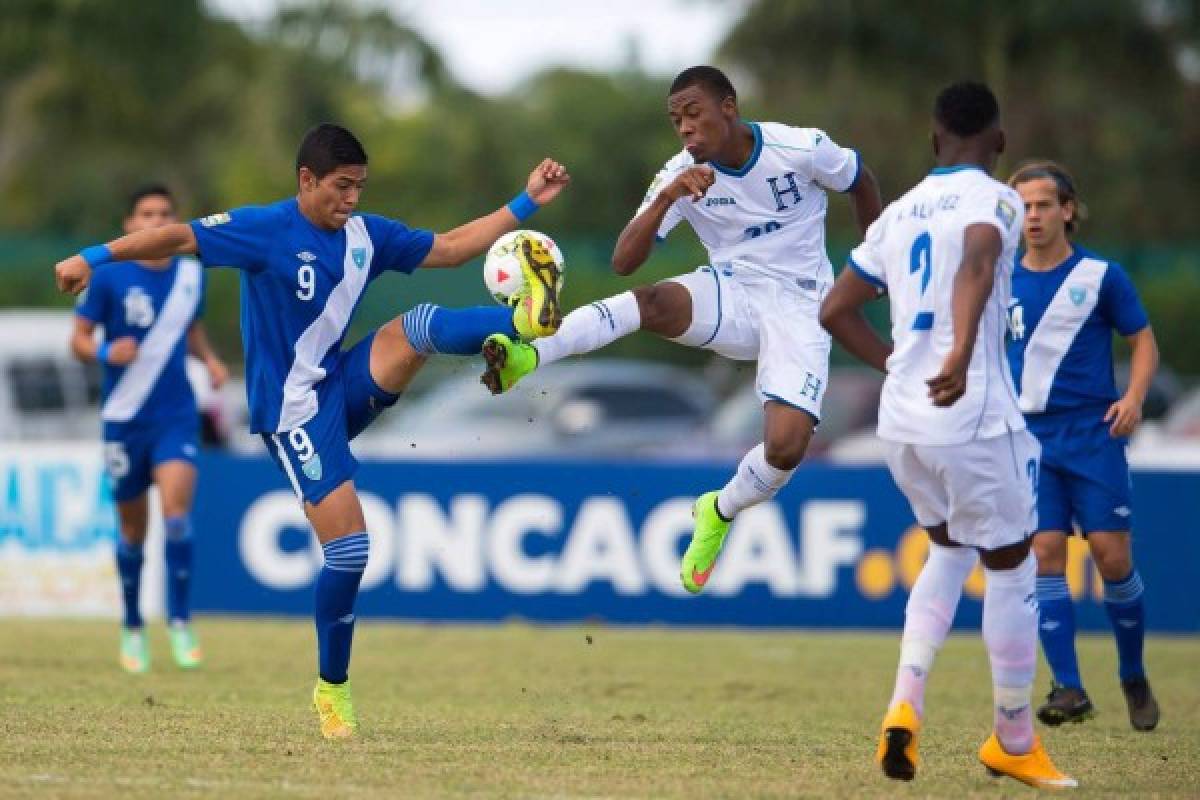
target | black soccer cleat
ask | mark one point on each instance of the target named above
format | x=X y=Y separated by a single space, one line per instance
x=1065 y=704
x=1143 y=708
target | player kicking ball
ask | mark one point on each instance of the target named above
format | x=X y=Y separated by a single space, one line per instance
x=150 y=312
x=755 y=194
x=958 y=447
x=305 y=263
x=1066 y=305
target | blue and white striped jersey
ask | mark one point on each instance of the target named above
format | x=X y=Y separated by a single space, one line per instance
x=156 y=307
x=300 y=287
x=1060 y=328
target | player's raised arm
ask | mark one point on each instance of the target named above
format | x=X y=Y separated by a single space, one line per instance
x=982 y=246
x=636 y=241
x=73 y=274
x=458 y=246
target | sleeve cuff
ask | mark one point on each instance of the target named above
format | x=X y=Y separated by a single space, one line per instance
x=869 y=278
x=857 y=172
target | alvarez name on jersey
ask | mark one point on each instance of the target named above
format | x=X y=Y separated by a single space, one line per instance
x=913 y=252
x=769 y=215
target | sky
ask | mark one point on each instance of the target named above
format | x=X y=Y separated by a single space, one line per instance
x=492 y=45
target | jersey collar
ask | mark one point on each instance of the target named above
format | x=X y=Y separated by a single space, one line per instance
x=751 y=161
x=1068 y=263
x=954 y=168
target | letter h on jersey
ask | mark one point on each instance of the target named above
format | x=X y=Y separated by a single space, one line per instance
x=791 y=189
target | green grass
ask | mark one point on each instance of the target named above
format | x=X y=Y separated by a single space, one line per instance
x=515 y=711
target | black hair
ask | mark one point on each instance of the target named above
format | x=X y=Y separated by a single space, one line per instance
x=327 y=147
x=966 y=108
x=711 y=79
x=1064 y=184
x=148 y=190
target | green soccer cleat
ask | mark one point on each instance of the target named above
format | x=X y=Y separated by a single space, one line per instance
x=335 y=709
x=709 y=535
x=135 y=651
x=184 y=646
x=507 y=362
x=536 y=310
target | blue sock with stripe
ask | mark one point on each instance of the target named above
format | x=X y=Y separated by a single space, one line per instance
x=1123 y=602
x=129 y=570
x=1056 y=629
x=337 y=587
x=178 y=552
x=455 y=331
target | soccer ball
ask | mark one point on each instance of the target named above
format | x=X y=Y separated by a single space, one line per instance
x=502 y=267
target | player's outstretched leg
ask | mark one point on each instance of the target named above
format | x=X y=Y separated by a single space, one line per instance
x=336 y=590
x=583 y=330
x=1010 y=633
x=927 y=619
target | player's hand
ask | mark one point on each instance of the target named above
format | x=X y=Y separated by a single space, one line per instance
x=72 y=274
x=693 y=182
x=122 y=351
x=951 y=383
x=1125 y=415
x=218 y=373
x=546 y=181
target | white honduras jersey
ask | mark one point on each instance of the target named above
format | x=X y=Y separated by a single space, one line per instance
x=913 y=251
x=768 y=216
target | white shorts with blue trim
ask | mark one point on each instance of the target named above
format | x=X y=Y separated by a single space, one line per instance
x=751 y=317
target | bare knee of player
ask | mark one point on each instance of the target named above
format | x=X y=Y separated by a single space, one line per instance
x=788 y=432
x=394 y=361
x=338 y=514
x=1111 y=553
x=131 y=520
x=940 y=535
x=1050 y=548
x=665 y=307
x=176 y=481
x=1008 y=557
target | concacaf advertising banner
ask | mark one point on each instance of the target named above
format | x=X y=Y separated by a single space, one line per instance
x=549 y=541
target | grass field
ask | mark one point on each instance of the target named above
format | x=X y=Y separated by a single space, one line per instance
x=515 y=711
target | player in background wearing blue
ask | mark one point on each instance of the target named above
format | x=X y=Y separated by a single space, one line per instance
x=1066 y=305
x=150 y=312
x=304 y=263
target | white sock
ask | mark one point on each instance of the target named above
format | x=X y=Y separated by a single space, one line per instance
x=927 y=619
x=590 y=328
x=1010 y=633
x=754 y=482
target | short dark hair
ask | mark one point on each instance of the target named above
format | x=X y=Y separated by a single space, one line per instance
x=327 y=147
x=147 y=190
x=966 y=108
x=1064 y=185
x=711 y=79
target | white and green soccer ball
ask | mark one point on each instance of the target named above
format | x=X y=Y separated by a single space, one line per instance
x=502 y=267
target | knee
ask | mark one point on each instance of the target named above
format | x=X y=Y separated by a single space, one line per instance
x=659 y=313
x=1051 y=553
x=1113 y=564
x=786 y=452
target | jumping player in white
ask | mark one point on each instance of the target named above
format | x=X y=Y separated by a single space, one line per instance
x=958 y=448
x=755 y=194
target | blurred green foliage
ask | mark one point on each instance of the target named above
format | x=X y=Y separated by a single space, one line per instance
x=97 y=97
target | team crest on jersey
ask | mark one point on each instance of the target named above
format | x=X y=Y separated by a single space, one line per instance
x=1077 y=294
x=139 y=309
x=213 y=220
x=1005 y=213
x=312 y=468
x=359 y=254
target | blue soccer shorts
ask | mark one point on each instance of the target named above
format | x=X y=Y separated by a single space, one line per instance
x=1084 y=478
x=316 y=456
x=131 y=452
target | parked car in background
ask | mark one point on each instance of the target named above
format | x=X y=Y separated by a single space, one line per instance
x=593 y=407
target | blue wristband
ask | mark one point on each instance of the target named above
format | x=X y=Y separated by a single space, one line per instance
x=96 y=255
x=102 y=352
x=523 y=206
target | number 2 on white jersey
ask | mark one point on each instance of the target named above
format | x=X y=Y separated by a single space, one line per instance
x=306 y=279
x=920 y=259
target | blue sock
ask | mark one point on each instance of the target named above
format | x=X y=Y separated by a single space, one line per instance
x=1123 y=602
x=455 y=331
x=129 y=570
x=179 y=567
x=337 y=586
x=1056 y=629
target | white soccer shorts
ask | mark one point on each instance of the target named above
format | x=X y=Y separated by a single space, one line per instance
x=984 y=490
x=750 y=317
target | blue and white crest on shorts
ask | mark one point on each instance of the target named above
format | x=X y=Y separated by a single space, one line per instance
x=312 y=468
x=359 y=254
x=1078 y=294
